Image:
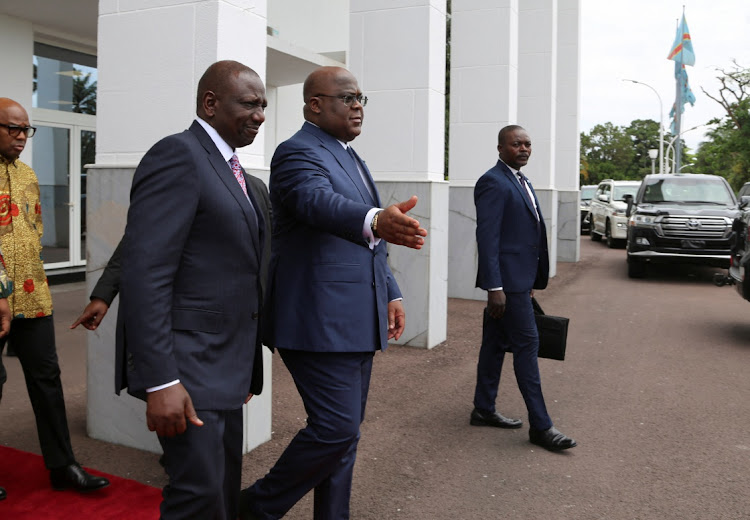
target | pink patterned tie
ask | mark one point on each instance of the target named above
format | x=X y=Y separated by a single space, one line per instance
x=234 y=162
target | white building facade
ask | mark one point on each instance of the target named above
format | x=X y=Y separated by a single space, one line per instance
x=512 y=62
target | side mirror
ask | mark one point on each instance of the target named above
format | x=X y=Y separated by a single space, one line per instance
x=603 y=197
x=629 y=201
x=744 y=201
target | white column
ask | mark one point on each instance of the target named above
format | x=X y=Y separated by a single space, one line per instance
x=147 y=90
x=397 y=53
x=537 y=105
x=568 y=142
x=483 y=99
x=16 y=62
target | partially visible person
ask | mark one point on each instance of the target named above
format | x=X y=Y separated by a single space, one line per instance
x=32 y=330
x=6 y=288
x=191 y=294
x=332 y=299
x=513 y=261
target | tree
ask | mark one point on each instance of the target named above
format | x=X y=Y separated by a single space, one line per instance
x=606 y=153
x=644 y=136
x=727 y=152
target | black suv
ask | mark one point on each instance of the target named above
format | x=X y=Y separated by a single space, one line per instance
x=739 y=266
x=680 y=218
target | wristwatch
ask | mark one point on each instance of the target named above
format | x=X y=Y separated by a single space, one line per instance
x=374 y=224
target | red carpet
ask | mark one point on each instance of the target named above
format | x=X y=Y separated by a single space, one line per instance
x=30 y=496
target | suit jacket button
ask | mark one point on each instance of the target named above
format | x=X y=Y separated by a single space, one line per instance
x=255 y=315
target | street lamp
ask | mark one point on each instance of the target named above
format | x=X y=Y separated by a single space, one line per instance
x=653 y=153
x=670 y=147
x=661 y=123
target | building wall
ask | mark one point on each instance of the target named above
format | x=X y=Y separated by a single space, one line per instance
x=16 y=81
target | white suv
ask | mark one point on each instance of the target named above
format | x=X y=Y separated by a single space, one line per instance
x=607 y=211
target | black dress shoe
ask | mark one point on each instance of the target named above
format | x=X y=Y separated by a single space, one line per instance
x=551 y=439
x=74 y=477
x=244 y=508
x=3 y=494
x=479 y=418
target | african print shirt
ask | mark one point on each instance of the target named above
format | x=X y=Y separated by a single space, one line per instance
x=20 y=240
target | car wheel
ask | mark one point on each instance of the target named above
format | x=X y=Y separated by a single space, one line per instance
x=636 y=268
x=611 y=242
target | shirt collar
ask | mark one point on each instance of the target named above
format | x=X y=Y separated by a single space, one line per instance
x=225 y=150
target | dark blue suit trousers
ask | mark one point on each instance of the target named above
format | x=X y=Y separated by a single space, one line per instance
x=515 y=332
x=334 y=387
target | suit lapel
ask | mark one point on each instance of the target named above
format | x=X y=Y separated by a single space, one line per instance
x=513 y=179
x=224 y=172
x=344 y=159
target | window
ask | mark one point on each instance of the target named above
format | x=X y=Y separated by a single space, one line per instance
x=64 y=80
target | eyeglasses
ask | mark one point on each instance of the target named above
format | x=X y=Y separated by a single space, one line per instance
x=15 y=130
x=348 y=99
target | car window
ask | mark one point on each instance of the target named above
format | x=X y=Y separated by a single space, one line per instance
x=621 y=191
x=587 y=192
x=682 y=189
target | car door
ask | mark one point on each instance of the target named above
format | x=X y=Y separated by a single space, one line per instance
x=597 y=209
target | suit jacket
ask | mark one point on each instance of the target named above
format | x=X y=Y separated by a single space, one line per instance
x=328 y=292
x=108 y=285
x=512 y=243
x=190 y=291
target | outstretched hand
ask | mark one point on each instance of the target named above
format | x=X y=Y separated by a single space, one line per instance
x=92 y=315
x=167 y=410
x=396 y=227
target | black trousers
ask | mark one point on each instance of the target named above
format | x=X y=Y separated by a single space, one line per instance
x=33 y=340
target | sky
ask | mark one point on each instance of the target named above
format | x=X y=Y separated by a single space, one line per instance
x=631 y=39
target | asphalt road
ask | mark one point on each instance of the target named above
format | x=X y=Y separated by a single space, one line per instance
x=655 y=389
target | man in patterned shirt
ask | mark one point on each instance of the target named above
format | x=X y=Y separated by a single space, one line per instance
x=32 y=329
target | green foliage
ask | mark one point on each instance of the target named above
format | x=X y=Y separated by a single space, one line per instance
x=618 y=152
x=727 y=150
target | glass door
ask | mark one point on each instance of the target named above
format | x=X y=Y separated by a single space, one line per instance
x=59 y=155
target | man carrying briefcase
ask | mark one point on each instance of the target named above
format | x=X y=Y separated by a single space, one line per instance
x=513 y=260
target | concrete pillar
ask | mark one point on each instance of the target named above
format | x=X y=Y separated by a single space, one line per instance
x=568 y=142
x=483 y=99
x=16 y=62
x=537 y=106
x=397 y=53
x=147 y=90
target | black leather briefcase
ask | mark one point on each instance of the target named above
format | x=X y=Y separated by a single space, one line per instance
x=553 y=333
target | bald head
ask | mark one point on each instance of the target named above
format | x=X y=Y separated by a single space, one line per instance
x=322 y=92
x=13 y=114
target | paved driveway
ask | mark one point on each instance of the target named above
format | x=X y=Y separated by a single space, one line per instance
x=656 y=390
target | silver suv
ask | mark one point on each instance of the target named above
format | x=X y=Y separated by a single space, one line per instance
x=607 y=211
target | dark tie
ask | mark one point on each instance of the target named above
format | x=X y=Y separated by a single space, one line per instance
x=525 y=186
x=361 y=173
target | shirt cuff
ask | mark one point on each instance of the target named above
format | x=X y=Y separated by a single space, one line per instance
x=367 y=230
x=161 y=387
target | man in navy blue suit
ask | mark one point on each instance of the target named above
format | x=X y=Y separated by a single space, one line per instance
x=513 y=261
x=332 y=299
x=190 y=294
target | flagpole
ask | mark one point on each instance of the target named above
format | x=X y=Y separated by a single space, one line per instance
x=678 y=104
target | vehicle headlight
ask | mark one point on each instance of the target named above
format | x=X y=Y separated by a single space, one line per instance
x=643 y=220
